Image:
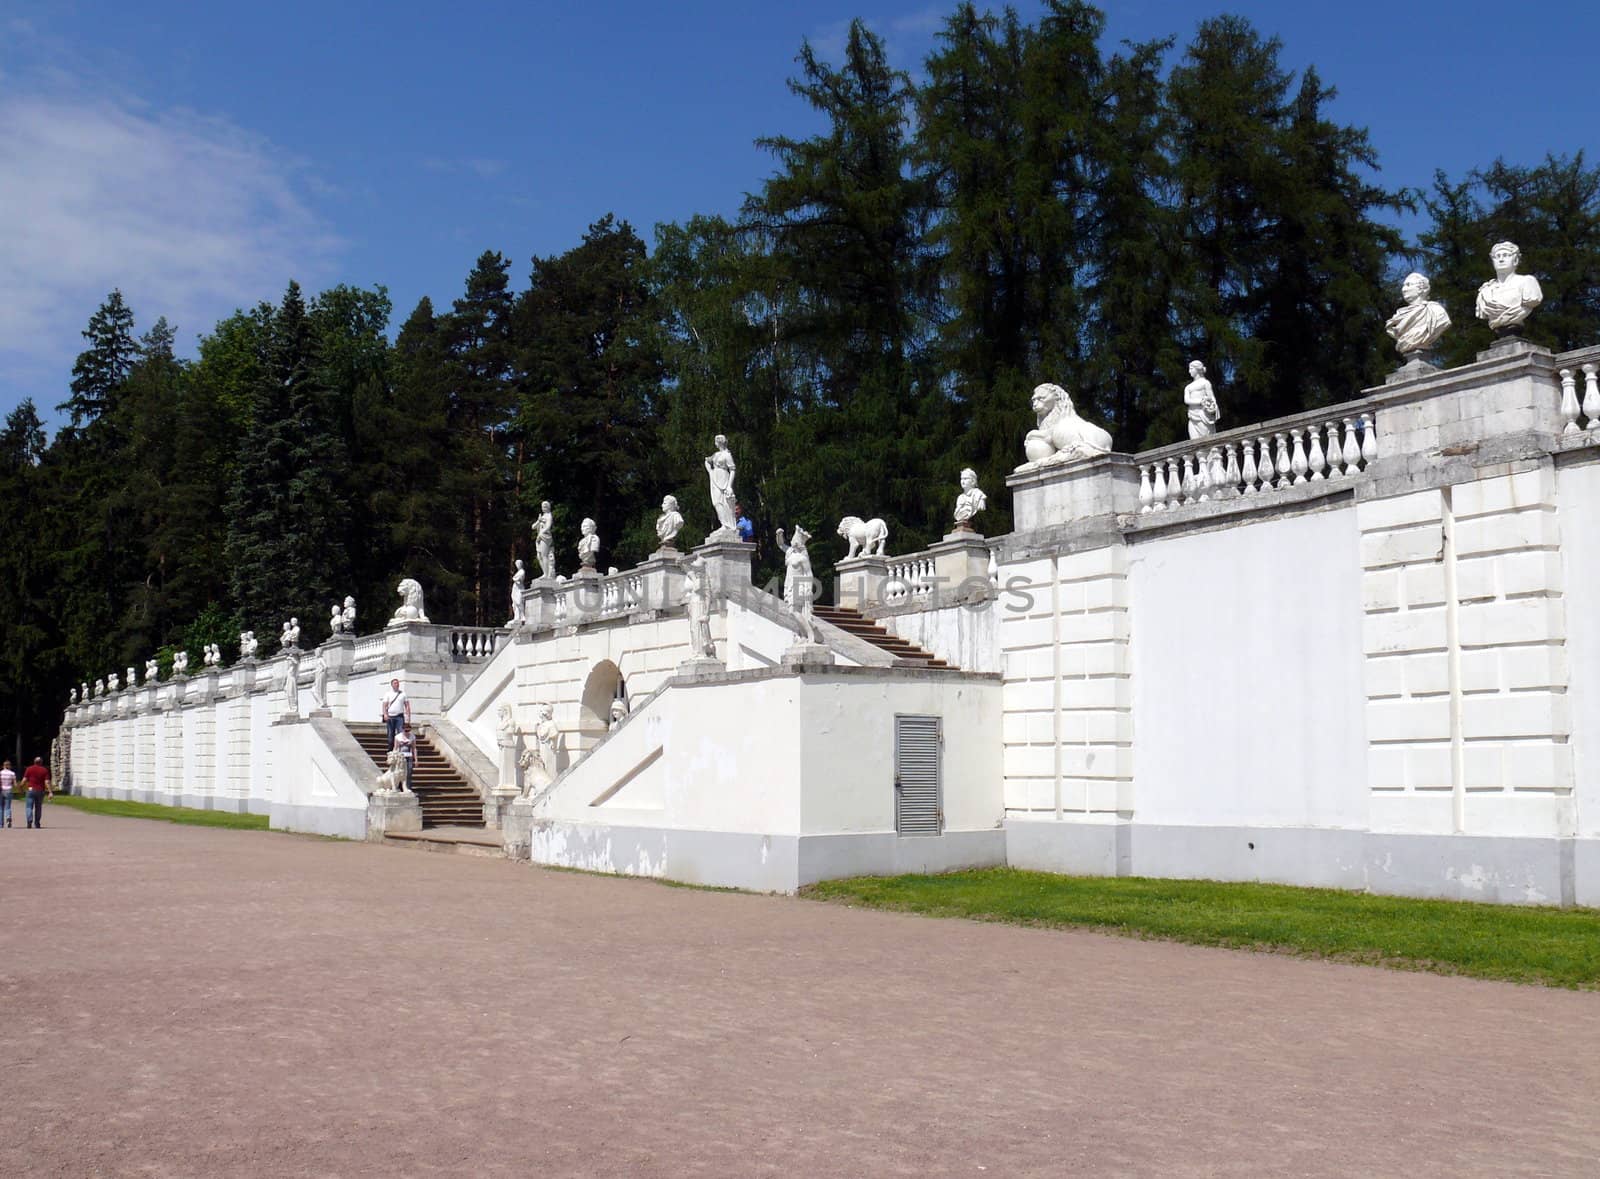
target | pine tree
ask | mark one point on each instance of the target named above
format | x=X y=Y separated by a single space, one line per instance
x=103 y=366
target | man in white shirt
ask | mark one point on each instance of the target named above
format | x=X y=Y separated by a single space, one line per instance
x=396 y=710
x=8 y=784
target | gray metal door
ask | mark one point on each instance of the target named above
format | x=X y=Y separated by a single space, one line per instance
x=918 y=785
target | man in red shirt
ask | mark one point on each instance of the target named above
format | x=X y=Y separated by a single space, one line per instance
x=38 y=780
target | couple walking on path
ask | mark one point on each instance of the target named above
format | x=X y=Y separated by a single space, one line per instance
x=37 y=782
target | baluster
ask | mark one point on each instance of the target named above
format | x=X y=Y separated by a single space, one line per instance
x=1297 y=464
x=1249 y=471
x=1369 y=440
x=1591 y=395
x=1202 y=475
x=1352 y=448
x=1316 y=457
x=1285 y=468
x=1335 y=454
x=1158 y=491
x=1230 y=471
x=1174 y=483
x=1264 y=463
x=1219 y=474
x=1146 y=492
x=1569 y=402
x=1190 y=491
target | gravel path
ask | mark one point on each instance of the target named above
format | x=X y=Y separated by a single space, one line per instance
x=186 y=1001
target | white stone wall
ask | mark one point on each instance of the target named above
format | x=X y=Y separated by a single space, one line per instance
x=1067 y=727
x=1465 y=626
x=1247 y=674
x=1578 y=487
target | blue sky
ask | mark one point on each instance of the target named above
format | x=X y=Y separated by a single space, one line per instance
x=198 y=155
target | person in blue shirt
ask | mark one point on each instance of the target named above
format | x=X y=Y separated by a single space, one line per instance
x=747 y=530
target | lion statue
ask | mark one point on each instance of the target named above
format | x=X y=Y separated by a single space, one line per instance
x=393 y=779
x=410 y=603
x=1061 y=435
x=866 y=537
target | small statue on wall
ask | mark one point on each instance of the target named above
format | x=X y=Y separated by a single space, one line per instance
x=538 y=760
x=1417 y=326
x=970 y=502
x=668 y=524
x=866 y=538
x=519 y=608
x=1201 y=402
x=588 y=543
x=291 y=681
x=319 y=682
x=1508 y=298
x=799 y=585
x=290 y=636
x=342 y=621
x=720 y=470
x=697 y=603
x=133 y=678
x=152 y=671
x=248 y=644
x=544 y=541
x=180 y=663
x=113 y=683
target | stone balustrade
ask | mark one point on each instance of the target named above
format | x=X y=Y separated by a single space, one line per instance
x=910 y=578
x=474 y=644
x=1581 y=414
x=1339 y=442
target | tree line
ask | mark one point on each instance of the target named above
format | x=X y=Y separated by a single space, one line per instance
x=1035 y=205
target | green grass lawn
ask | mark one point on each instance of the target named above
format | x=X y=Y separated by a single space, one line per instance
x=149 y=810
x=1554 y=947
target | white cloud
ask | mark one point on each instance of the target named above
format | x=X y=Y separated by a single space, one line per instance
x=190 y=216
x=484 y=167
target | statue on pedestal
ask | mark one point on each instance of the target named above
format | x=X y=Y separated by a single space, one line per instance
x=1201 y=402
x=1418 y=325
x=1509 y=298
x=152 y=671
x=588 y=543
x=133 y=678
x=113 y=682
x=538 y=760
x=970 y=502
x=697 y=602
x=180 y=663
x=410 y=610
x=799 y=586
x=668 y=524
x=248 y=644
x=291 y=681
x=343 y=619
x=519 y=609
x=544 y=541
x=290 y=635
x=1061 y=435
x=720 y=470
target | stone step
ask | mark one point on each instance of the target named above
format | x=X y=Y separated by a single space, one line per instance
x=853 y=622
x=447 y=800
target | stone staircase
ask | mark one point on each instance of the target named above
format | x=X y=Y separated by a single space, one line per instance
x=447 y=799
x=852 y=621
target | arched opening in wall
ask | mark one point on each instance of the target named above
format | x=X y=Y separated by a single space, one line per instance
x=604 y=685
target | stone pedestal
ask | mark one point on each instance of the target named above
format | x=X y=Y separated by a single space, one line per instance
x=728 y=566
x=497 y=807
x=516 y=829
x=663 y=581
x=1053 y=495
x=808 y=655
x=859 y=582
x=539 y=603
x=701 y=667
x=1418 y=364
x=338 y=656
x=961 y=563
x=392 y=810
x=1512 y=346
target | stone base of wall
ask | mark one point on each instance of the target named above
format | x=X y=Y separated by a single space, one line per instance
x=762 y=863
x=1497 y=869
x=342 y=822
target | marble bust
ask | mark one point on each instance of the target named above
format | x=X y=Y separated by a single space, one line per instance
x=544 y=541
x=971 y=501
x=248 y=644
x=1418 y=325
x=1509 y=298
x=290 y=636
x=113 y=683
x=669 y=524
x=133 y=678
x=720 y=470
x=1061 y=435
x=343 y=619
x=152 y=671
x=1200 y=400
x=180 y=663
x=588 y=543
